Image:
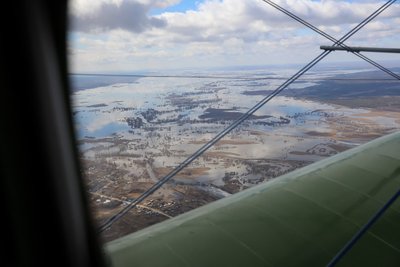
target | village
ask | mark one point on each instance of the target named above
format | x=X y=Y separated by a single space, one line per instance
x=128 y=144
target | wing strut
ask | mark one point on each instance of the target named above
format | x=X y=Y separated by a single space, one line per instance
x=358 y=49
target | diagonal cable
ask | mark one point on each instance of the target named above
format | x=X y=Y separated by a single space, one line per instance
x=363 y=230
x=312 y=27
x=377 y=65
x=309 y=25
x=236 y=123
x=212 y=142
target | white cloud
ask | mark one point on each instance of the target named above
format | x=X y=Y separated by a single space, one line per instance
x=217 y=32
x=128 y=15
x=81 y=8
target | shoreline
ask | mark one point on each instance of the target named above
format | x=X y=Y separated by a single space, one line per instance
x=231 y=166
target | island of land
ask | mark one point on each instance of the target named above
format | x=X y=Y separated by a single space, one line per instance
x=132 y=134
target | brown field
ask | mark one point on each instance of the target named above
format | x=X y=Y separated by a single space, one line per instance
x=114 y=179
x=315 y=133
x=188 y=173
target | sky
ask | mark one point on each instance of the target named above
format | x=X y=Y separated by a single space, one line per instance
x=128 y=36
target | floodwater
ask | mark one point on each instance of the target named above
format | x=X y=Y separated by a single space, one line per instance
x=103 y=111
x=165 y=120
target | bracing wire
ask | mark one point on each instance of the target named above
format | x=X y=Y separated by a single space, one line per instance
x=236 y=123
x=363 y=230
x=348 y=246
x=329 y=37
x=213 y=141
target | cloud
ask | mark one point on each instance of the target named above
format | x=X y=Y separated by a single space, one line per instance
x=120 y=34
x=255 y=20
x=105 y=16
x=162 y=3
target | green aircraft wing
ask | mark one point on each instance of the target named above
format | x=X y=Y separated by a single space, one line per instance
x=300 y=219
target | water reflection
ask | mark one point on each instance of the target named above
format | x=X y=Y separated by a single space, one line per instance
x=131 y=134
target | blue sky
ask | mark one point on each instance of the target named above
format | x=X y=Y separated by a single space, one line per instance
x=132 y=35
x=180 y=7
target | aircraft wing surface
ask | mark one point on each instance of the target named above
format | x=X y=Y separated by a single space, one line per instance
x=299 y=219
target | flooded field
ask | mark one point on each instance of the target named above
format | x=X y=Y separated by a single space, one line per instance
x=131 y=134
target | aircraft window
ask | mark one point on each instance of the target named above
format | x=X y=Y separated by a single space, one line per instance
x=154 y=81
